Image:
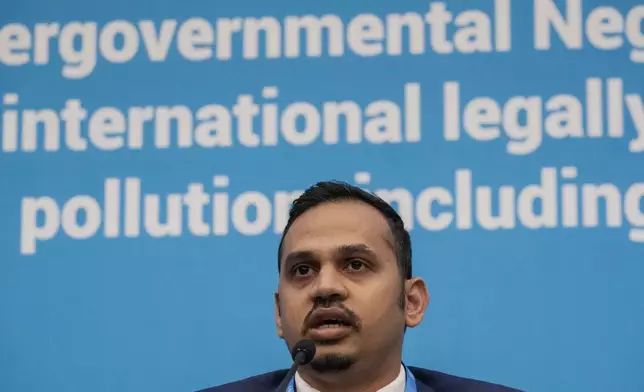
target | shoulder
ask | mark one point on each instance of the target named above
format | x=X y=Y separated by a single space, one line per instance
x=262 y=382
x=443 y=382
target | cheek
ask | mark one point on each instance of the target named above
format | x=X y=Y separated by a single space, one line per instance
x=380 y=306
x=292 y=314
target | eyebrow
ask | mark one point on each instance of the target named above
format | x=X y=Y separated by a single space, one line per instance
x=295 y=257
x=346 y=250
x=342 y=250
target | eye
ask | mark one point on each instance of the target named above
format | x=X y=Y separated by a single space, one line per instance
x=302 y=270
x=356 y=265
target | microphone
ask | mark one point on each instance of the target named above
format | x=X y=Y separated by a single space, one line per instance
x=303 y=352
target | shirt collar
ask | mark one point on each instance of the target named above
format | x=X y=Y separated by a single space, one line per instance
x=397 y=385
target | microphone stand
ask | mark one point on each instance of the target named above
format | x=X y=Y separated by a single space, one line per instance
x=300 y=357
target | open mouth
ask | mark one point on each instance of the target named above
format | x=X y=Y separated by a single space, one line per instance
x=331 y=323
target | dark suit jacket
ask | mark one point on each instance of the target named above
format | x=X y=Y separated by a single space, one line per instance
x=426 y=381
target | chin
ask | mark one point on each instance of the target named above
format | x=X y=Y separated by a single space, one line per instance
x=332 y=362
x=334 y=349
x=330 y=343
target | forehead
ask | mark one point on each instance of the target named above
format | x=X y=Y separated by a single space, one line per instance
x=330 y=225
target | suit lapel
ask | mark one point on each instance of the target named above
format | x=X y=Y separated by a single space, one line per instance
x=422 y=387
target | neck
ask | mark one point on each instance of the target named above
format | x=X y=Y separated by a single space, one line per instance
x=361 y=377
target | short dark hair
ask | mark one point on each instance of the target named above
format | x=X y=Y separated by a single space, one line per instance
x=335 y=191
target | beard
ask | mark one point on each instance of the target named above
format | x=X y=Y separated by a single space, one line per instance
x=332 y=363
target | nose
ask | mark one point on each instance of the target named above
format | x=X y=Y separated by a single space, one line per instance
x=329 y=285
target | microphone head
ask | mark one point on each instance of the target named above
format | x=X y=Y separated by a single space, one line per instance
x=304 y=351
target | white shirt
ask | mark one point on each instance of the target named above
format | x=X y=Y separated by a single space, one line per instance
x=397 y=385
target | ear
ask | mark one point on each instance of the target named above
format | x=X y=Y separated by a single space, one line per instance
x=278 y=316
x=417 y=299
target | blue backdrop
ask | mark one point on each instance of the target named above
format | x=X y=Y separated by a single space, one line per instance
x=150 y=150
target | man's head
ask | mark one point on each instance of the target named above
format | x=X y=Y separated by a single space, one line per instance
x=346 y=277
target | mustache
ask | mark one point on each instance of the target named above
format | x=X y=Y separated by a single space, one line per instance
x=329 y=303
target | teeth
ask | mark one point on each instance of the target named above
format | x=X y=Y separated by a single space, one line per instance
x=334 y=325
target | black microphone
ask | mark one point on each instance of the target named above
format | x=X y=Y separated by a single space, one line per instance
x=302 y=353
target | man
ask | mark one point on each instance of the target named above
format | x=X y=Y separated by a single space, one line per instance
x=345 y=282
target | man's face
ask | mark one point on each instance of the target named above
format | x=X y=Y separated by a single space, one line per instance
x=340 y=285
